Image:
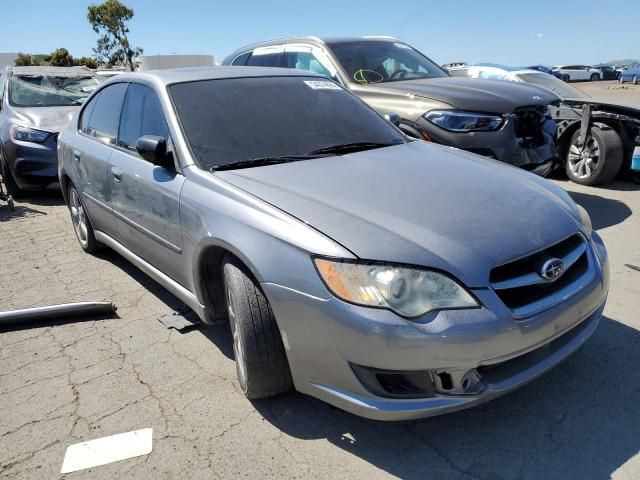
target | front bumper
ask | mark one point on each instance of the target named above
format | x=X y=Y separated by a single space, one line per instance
x=33 y=165
x=324 y=337
x=501 y=145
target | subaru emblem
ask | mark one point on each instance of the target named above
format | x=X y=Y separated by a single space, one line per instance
x=552 y=269
x=537 y=97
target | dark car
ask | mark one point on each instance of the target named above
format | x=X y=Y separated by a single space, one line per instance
x=36 y=103
x=487 y=117
x=607 y=72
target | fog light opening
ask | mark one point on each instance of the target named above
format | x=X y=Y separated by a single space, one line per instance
x=446 y=382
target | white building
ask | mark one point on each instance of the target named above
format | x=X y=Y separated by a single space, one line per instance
x=7 y=59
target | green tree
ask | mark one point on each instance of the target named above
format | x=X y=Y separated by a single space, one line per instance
x=109 y=20
x=86 y=62
x=61 y=58
x=24 y=60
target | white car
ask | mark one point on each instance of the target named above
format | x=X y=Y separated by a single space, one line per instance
x=578 y=72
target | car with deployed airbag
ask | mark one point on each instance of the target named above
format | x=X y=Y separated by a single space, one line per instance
x=508 y=123
x=351 y=263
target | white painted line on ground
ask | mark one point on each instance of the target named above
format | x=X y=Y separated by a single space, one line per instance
x=107 y=450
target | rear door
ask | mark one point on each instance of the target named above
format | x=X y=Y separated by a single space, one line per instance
x=95 y=142
x=146 y=197
x=300 y=56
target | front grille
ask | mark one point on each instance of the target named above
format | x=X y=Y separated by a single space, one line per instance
x=529 y=123
x=523 y=289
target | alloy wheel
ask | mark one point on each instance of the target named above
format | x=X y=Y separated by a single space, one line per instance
x=583 y=161
x=79 y=218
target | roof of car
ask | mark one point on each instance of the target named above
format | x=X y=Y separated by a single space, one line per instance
x=191 y=74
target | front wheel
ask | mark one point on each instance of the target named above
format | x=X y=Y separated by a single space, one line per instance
x=261 y=361
x=7 y=177
x=595 y=77
x=598 y=161
x=81 y=224
x=635 y=80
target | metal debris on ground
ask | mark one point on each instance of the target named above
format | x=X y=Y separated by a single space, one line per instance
x=56 y=312
x=180 y=321
x=632 y=267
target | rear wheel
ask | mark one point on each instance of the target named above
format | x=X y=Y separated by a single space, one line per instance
x=635 y=80
x=595 y=77
x=81 y=223
x=261 y=361
x=598 y=161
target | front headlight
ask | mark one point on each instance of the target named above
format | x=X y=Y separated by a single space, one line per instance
x=409 y=292
x=586 y=221
x=25 y=134
x=459 y=121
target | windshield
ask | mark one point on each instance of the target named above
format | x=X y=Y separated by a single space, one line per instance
x=557 y=86
x=49 y=90
x=383 y=61
x=242 y=119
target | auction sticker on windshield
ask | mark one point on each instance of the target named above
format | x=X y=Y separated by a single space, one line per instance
x=322 y=85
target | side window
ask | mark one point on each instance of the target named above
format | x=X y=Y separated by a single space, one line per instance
x=241 y=59
x=305 y=61
x=86 y=114
x=142 y=114
x=266 y=56
x=103 y=122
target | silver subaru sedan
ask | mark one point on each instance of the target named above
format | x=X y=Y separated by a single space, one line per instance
x=390 y=277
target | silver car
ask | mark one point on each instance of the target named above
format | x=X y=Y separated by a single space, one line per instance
x=353 y=264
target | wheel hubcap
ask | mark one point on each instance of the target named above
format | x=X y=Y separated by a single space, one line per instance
x=78 y=218
x=583 y=161
x=238 y=348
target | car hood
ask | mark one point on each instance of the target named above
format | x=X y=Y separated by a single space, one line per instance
x=474 y=94
x=419 y=204
x=49 y=119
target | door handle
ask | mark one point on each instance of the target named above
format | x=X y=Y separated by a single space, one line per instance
x=117 y=174
x=76 y=155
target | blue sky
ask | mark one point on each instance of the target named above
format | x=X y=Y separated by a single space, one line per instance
x=512 y=32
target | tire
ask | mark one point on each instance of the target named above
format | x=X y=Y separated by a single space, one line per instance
x=9 y=181
x=635 y=80
x=604 y=162
x=595 y=77
x=620 y=79
x=81 y=223
x=261 y=361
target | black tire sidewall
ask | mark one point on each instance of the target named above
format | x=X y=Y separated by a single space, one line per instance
x=7 y=176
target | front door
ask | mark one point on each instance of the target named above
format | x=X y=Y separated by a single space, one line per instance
x=146 y=197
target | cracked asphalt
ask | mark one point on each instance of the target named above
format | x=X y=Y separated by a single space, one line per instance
x=61 y=384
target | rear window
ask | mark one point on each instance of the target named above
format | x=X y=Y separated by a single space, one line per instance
x=232 y=120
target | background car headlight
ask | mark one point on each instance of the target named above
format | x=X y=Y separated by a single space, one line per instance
x=459 y=121
x=407 y=291
x=25 y=134
x=586 y=221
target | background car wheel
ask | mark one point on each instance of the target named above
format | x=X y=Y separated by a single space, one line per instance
x=635 y=80
x=261 y=361
x=598 y=161
x=7 y=177
x=620 y=79
x=81 y=224
x=595 y=77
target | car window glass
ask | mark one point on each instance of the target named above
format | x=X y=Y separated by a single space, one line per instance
x=241 y=59
x=305 y=61
x=103 y=123
x=266 y=57
x=142 y=114
x=86 y=114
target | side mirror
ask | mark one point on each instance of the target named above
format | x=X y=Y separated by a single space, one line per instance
x=392 y=118
x=154 y=150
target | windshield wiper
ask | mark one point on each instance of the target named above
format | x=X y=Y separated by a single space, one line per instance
x=262 y=161
x=352 y=147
